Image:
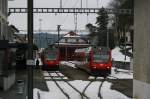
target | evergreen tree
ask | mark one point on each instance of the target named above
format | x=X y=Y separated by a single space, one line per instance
x=102 y=22
x=123 y=22
x=92 y=29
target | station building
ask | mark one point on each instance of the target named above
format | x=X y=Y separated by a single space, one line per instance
x=69 y=43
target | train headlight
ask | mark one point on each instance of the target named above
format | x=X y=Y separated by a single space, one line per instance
x=94 y=67
x=108 y=67
x=101 y=64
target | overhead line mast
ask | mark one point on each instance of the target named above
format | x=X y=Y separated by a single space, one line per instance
x=81 y=3
x=40 y=31
x=75 y=21
x=60 y=3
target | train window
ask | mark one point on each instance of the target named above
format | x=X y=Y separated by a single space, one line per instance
x=101 y=58
x=88 y=59
x=51 y=56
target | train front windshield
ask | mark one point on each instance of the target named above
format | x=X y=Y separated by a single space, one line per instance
x=101 y=57
x=51 y=56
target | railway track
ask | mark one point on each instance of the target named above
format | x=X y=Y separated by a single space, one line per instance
x=112 y=77
x=82 y=95
x=52 y=77
x=100 y=88
x=83 y=92
x=65 y=85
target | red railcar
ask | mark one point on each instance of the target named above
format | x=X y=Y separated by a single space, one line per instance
x=50 y=59
x=97 y=60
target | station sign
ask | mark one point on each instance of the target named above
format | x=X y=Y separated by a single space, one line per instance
x=30 y=62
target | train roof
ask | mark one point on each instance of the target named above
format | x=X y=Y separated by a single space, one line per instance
x=83 y=50
x=88 y=49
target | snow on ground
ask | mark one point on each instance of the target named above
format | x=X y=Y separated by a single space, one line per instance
x=118 y=56
x=119 y=74
x=68 y=63
x=91 y=92
x=111 y=94
x=130 y=51
x=55 y=76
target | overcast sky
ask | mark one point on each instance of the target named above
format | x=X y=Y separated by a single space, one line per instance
x=50 y=21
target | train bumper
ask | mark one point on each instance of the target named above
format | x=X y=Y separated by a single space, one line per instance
x=50 y=65
x=101 y=66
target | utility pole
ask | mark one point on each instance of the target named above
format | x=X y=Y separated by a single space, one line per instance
x=116 y=30
x=60 y=3
x=58 y=29
x=75 y=21
x=108 y=38
x=125 y=43
x=30 y=49
x=46 y=40
x=81 y=3
x=40 y=28
x=97 y=3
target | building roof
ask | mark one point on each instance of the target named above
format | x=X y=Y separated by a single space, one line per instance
x=72 y=39
x=71 y=34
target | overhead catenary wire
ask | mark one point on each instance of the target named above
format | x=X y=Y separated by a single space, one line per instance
x=67 y=13
x=97 y=3
x=66 y=17
x=81 y=3
x=60 y=3
x=75 y=22
x=76 y=17
x=101 y=2
x=75 y=3
x=65 y=3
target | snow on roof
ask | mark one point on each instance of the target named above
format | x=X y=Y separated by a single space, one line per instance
x=72 y=40
x=91 y=92
x=71 y=34
x=70 y=44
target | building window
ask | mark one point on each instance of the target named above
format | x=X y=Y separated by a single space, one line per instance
x=77 y=40
x=66 y=40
